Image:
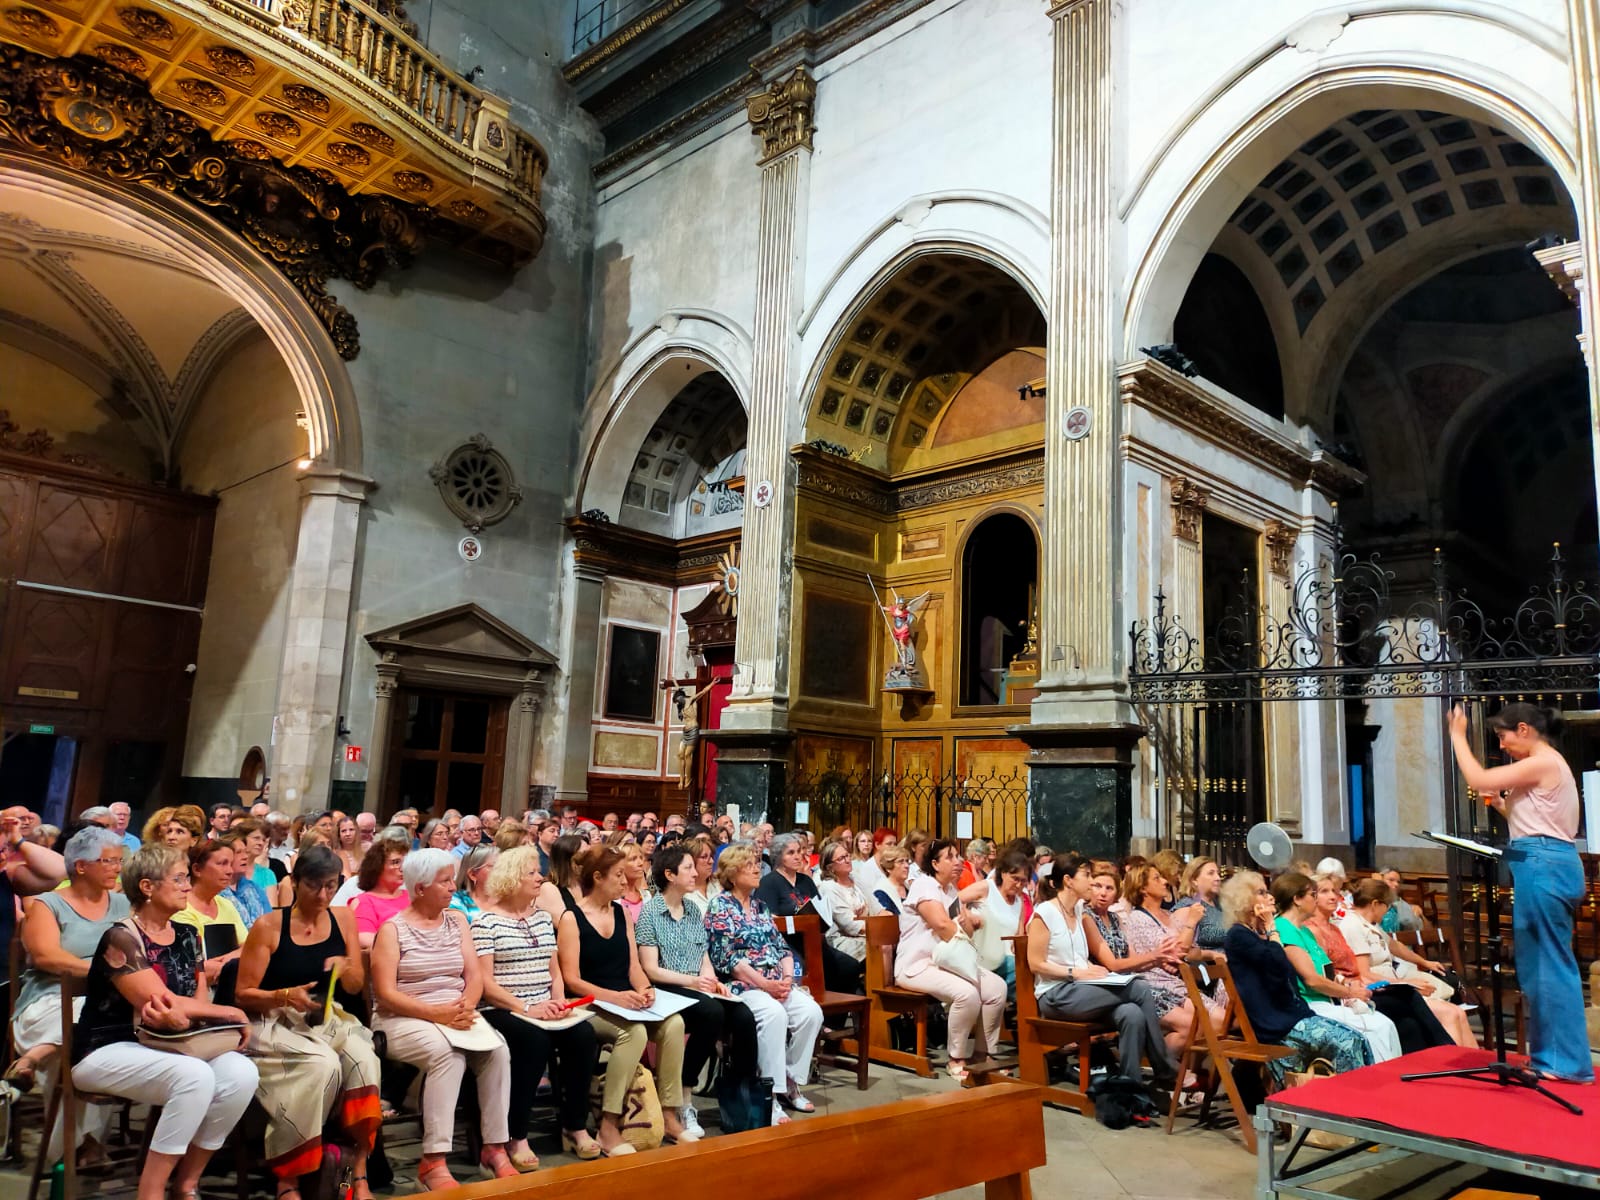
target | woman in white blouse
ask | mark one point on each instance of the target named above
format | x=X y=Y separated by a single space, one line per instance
x=925 y=922
x=1375 y=961
x=1063 y=944
x=842 y=903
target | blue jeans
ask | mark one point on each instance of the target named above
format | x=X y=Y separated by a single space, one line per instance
x=1548 y=877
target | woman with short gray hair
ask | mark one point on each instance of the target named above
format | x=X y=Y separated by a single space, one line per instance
x=425 y=977
x=788 y=890
x=60 y=931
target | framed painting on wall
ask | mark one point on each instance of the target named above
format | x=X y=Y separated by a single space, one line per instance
x=631 y=674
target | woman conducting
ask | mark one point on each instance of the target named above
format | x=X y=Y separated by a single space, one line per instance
x=1538 y=797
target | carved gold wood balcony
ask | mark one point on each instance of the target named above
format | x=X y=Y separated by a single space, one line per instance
x=334 y=85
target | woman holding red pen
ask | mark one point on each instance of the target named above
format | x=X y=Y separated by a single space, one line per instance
x=516 y=945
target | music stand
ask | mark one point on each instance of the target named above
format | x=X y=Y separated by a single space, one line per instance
x=1499 y=1071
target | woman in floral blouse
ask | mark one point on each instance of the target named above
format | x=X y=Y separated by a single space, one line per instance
x=749 y=953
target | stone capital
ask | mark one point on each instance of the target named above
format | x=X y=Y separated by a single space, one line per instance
x=318 y=480
x=1280 y=538
x=781 y=116
x=1188 y=503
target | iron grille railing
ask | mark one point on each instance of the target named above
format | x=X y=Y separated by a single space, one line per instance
x=599 y=20
x=997 y=800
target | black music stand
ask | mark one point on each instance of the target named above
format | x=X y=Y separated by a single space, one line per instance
x=1499 y=1071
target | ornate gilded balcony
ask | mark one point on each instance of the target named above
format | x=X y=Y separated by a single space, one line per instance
x=343 y=87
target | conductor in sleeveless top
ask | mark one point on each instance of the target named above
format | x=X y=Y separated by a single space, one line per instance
x=1538 y=797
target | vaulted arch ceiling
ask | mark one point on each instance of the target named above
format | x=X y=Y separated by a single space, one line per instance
x=696 y=444
x=1362 y=211
x=116 y=311
x=923 y=332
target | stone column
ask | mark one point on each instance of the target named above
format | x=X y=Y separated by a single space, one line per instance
x=1189 y=502
x=310 y=686
x=1082 y=732
x=1078 y=601
x=780 y=116
x=1281 y=726
x=583 y=665
x=1583 y=21
x=521 y=735
x=382 y=722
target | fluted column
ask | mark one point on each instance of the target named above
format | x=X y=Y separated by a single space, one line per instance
x=780 y=117
x=1078 y=607
x=1583 y=21
x=1280 y=721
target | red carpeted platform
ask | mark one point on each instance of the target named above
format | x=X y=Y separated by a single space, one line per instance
x=1511 y=1120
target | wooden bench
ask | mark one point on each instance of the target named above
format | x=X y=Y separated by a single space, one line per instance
x=1037 y=1035
x=809 y=928
x=993 y=1136
x=889 y=1000
x=1214 y=1039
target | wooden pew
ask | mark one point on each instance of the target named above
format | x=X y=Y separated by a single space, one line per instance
x=1037 y=1035
x=888 y=1000
x=904 y=1151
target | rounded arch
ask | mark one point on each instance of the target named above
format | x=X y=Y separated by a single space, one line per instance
x=990 y=227
x=1184 y=221
x=636 y=389
x=322 y=383
x=996 y=603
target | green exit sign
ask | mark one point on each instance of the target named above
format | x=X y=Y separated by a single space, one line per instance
x=41 y=728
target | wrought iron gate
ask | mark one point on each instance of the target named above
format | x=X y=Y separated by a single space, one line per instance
x=1345 y=636
x=997 y=801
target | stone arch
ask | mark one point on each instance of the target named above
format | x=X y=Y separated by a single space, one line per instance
x=633 y=393
x=990 y=227
x=321 y=381
x=1184 y=220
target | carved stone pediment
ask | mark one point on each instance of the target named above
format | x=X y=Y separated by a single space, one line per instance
x=460 y=646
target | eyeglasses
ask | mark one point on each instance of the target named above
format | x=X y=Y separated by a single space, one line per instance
x=180 y=880
x=110 y=862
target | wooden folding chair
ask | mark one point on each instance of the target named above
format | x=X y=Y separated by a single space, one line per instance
x=1038 y=1035
x=63 y=1102
x=888 y=1000
x=1212 y=1039
x=808 y=926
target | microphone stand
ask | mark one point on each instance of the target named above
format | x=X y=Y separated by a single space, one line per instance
x=1499 y=1071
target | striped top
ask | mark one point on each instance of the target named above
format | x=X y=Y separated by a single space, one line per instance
x=523 y=948
x=429 y=966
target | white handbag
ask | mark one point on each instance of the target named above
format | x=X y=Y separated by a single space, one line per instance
x=958 y=956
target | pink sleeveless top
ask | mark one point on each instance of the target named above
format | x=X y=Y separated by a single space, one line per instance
x=1545 y=812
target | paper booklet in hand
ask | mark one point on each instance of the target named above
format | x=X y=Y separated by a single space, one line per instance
x=666 y=1003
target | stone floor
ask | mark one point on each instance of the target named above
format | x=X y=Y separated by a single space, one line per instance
x=1085 y=1159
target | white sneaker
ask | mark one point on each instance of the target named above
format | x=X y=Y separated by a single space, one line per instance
x=691 y=1121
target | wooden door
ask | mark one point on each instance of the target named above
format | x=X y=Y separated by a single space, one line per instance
x=446 y=751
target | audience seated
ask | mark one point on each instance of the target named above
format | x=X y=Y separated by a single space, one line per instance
x=706 y=886
x=148 y=969
x=1063 y=946
x=316 y=1062
x=426 y=984
x=980 y=860
x=1269 y=986
x=894 y=879
x=1374 y=961
x=60 y=931
x=1158 y=939
x=516 y=946
x=751 y=956
x=560 y=890
x=244 y=893
x=675 y=952
x=176 y=826
x=925 y=923
x=841 y=902
x=1296 y=899
x=600 y=958
x=26 y=869
x=788 y=889
x=382 y=891
x=1402 y=916
x=635 y=868
x=222 y=930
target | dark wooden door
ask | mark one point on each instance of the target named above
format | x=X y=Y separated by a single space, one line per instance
x=447 y=751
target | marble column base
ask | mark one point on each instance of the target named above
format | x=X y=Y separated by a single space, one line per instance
x=1080 y=786
x=752 y=772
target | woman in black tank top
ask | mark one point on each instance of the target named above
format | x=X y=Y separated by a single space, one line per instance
x=303 y=1041
x=594 y=942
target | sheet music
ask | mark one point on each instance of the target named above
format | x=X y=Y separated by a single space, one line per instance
x=1466 y=844
x=666 y=1004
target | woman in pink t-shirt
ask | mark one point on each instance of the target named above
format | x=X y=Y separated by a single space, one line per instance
x=1539 y=799
x=382 y=889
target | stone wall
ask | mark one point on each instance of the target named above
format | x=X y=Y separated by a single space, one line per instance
x=455 y=347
